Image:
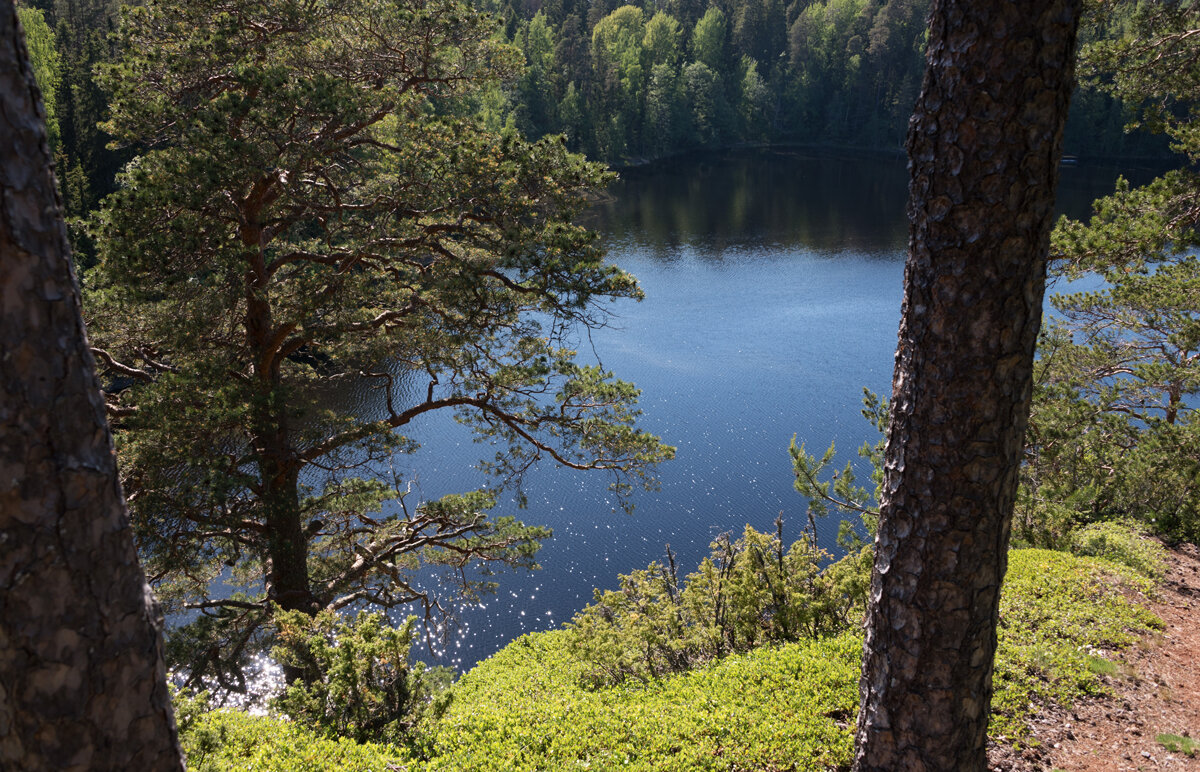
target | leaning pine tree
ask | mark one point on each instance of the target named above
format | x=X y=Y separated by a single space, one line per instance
x=984 y=146
x=311 y=211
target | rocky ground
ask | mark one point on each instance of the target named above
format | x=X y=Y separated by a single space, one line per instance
x=1155 y=691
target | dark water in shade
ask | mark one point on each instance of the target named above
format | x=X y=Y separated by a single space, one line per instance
x=773 y=287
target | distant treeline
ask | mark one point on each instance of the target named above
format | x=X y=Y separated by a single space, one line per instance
x=648 y=79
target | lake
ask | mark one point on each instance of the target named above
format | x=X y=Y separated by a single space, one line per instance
x=773 y=285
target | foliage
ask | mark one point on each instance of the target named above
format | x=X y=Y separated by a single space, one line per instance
x=68 y=38
x=1122 y=544
x=841 y=71
x=1055 y=611
x=772 y=708
x=656 y=79
x=748 y=593
x=227 y=739
x=311 y=210
x=46 y=63
x=357 y=680
x=1113 y=431
x=841 y=491
x=787 y=706
x=820 y=71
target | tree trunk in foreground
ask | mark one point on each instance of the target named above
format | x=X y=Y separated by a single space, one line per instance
x=82 y=682
x=984 y=145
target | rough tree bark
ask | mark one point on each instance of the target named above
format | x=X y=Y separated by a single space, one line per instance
x=82 y=682
x=984 y=146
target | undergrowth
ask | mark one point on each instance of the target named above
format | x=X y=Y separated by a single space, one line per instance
x=772 y=708
x=1056 y=611
x=777 y=707
x=226 y=740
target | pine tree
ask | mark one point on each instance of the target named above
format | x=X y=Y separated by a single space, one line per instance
x=984 y=146
x=312 y=214
x=1114 y=432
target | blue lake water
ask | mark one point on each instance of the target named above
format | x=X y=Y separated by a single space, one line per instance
x=773 y=285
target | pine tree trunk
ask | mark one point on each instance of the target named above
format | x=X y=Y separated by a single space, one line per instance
x=278 y=469
x=287 y=543
x=984 y=146
x=82 y=682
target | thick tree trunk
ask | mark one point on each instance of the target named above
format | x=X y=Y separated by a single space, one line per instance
x=984 y=146
x=287 y=543
x=82 y=682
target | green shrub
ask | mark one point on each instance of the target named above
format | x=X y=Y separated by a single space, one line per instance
x=777 y=707
x=1056 y=610
x=1120 y=543
x=1042 y=523
x=228 y=740
x=356 y=677
x=746 y=594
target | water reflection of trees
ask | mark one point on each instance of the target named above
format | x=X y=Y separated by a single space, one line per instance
x=811 y=199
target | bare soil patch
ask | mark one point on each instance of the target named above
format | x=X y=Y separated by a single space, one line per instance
x=1155 y=691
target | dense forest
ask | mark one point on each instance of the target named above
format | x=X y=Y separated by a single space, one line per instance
x=644 y=80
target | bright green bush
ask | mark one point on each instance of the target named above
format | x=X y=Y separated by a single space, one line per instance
x=228 y=740
x=357 y=680
x=748 y=593
x=1124 y=544
x=789 y=707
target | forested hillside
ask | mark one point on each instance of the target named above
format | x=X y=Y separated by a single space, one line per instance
x=647 y=79
x=643 y=80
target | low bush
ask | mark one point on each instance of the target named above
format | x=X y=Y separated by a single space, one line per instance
x=356 y=677
x=748 y=593
x=777 y=707
x=1120 y=543
x=227 y=740
x=1056 y=611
